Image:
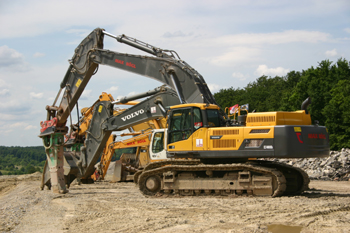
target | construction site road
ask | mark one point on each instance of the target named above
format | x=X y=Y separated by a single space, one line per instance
x=120 y=207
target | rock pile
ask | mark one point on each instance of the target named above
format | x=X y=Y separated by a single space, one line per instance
x=334 y=167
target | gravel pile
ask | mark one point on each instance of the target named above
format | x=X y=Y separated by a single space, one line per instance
x=334 y=167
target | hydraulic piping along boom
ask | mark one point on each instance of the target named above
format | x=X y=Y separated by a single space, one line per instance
x=138 y=44
x=126 y=99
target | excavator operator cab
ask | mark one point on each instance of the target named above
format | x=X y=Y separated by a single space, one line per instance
x=185 y=119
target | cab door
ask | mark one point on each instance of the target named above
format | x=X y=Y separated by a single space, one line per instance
x=157 y=146
x=184 y=122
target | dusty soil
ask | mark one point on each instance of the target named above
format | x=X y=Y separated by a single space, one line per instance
x=120 y=207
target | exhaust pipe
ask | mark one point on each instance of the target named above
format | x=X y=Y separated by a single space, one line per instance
x=305 y=104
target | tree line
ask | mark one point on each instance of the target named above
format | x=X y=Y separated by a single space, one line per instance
x=16 y=160
x=328 y=85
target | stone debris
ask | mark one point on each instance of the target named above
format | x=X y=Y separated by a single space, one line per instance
x=334 y=167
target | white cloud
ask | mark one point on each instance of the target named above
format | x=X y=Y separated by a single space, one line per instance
x=37 y=54
x=4 y=92
x=18 y=124
x=128 y=95
x=6 y=132
x=46 y=17
x=347 y=30
x=175 y=34
x=10 y=54
x=11 y=59
x=331 y=53
x=34 y=95
x=131 y=93
x=79 y=32
x=8 y=117
x=86 y=95
x=112 y=89
x=288 y=36
x=29 y=127
x=264 y=70
x=14 y=108
x=236 y=54
x=214 y=87
x=239 y=76
x=3 y=83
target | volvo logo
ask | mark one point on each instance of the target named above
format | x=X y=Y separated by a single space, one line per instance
x=216 y=137
x=134 y=114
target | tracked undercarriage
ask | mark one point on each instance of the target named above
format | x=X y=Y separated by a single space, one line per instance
x=188 y=178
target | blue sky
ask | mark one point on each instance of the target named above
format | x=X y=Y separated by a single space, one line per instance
x=231 y=43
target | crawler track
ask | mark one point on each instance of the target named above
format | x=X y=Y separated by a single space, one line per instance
x=154 y=178
x=297 y=180
x=285 y=180
x=155 y=165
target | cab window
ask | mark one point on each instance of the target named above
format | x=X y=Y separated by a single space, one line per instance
x=213 y=117
x=180 y=126
x=183 y=123
x=197 y=119
x=158 y=142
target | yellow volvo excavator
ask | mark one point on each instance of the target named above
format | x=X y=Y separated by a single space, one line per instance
x=208 y=153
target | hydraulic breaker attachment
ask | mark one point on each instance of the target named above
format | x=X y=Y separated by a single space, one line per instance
x=54 y=152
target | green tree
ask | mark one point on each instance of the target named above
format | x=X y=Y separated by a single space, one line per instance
x=13 y=157
x=30 y=169
x=265 y=93
x=229 y=97
x=317 y=83
x=291 y=81
x=337 y=114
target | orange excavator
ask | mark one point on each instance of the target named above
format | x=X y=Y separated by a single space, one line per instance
x=128 y=163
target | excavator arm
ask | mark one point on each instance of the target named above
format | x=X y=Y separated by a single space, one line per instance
x=76 y=78
x=103 y=123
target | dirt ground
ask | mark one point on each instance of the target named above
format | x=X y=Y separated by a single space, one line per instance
x=120 y=207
